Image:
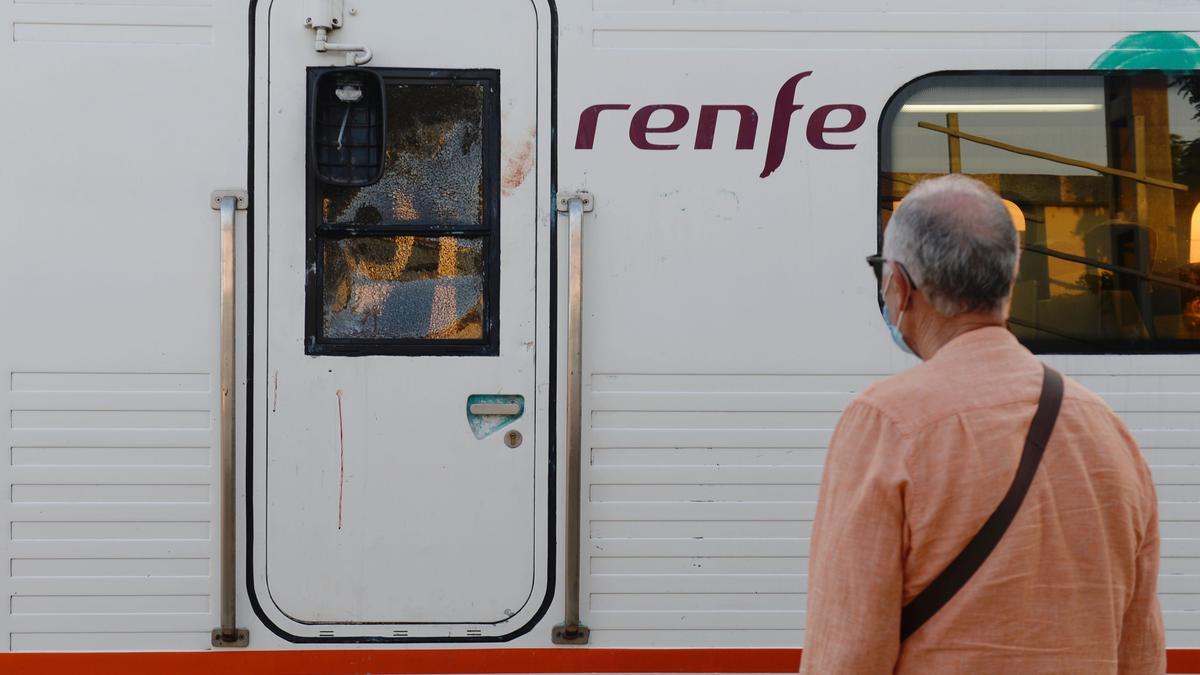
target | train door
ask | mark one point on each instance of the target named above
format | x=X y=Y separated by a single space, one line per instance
x=401 y=229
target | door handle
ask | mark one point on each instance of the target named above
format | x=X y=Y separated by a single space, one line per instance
x=505 y=409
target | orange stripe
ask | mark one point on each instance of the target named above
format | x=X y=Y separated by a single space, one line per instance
x=401 y=661
x=1183 y=660
x=442 y=661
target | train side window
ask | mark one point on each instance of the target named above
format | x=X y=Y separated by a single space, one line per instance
x=409 y=264
x=1101 y=171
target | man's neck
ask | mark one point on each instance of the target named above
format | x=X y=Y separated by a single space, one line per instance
x=935 y=331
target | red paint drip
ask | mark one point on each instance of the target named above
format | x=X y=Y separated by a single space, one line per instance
x=518 y=167
x=342 y=460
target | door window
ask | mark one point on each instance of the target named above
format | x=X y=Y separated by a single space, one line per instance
x=408 y=264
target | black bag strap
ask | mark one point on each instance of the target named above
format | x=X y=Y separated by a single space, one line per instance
x=957 y=573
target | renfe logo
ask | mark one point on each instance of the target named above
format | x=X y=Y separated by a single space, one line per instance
x=818 y=131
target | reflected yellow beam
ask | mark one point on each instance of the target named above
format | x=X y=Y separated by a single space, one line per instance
x=444 y=312
x=1194 y=252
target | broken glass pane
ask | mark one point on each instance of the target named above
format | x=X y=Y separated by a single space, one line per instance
x=433 y=162
x=403 y=288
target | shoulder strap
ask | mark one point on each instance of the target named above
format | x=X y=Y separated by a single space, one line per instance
x=957 y=573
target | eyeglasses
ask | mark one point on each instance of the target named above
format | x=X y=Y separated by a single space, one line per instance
x=876 y=262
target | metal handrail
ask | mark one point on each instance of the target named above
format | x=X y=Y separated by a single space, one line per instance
x=228 y=634
x=1091 y=262
x=571 y=630
x=1050 y=157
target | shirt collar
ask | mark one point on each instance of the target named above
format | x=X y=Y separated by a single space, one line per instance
x=976 y=339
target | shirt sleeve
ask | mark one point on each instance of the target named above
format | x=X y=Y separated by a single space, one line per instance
x=856 y=573
x=1142 y=650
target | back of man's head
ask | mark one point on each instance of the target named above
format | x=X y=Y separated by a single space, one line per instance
x=957 y=240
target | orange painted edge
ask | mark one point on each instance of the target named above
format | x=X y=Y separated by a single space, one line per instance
x=441 y=661
x=404 y=661
x=1183 y=660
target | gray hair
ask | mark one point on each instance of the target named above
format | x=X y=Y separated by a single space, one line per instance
x=957 y=240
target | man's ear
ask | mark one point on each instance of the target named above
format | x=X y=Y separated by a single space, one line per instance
x=903 y=288
x=1007 y=310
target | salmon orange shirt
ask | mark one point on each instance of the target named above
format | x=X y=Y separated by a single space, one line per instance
x=916 y=465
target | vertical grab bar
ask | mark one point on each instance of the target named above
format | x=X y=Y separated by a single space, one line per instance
x=571 y=631
x=228 y=634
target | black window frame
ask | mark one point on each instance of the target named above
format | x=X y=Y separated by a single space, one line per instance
x=1035 y=345
x=489 y=230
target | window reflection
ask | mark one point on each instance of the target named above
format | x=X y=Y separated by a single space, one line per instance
x=404 y=288
x=409 y=265
x=433 y=162
x=1104 y=169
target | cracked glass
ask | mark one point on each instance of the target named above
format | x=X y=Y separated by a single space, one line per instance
x=403 y=288
x=433 y=162
x=408 y=265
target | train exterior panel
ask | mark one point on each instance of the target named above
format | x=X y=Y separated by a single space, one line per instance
x=495 y=335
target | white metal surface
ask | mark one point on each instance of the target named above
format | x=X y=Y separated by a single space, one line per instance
x=729 y=316
x=118 y=123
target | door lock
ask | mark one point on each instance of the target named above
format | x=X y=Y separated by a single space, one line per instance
x=513 y=438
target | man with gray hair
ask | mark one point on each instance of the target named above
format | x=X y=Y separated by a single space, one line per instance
x=977 y=513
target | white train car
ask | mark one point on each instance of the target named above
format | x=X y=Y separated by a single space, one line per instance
x=508 y=335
